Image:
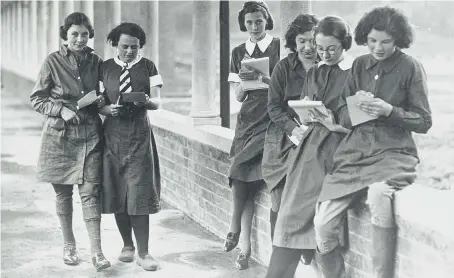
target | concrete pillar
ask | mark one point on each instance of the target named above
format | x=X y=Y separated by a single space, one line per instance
x=54 y=26
x=153 y=32
x=100 y=24
x=87 y=7
x=34 y=50
x=167 y=27
x=203 y=105
x=289 y=10
x=26 y=33
x=43 y=19
x=112 y=18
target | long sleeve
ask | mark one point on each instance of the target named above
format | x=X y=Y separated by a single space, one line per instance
x=341 y=113
x=416 y=116
x=277 y=108
x=40 y=98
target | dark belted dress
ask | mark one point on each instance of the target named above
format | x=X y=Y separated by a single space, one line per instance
x=252 y=120
x=286 y=84
x=132 y=181
x=69 y=153
x=382 y=150
x=311 y=161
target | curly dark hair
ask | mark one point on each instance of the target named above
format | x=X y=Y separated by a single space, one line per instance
x=336 y=27
x=127 y=28
x=387 y=19
x=76 y=18
x=252 y=7
x=301 y=24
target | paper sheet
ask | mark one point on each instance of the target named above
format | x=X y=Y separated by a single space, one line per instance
x=357 y=116
x=87 y=100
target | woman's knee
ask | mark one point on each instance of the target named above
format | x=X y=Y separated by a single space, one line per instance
x=379 y=199
x=89 y=193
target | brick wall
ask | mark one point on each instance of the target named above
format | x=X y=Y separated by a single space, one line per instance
x=194 y=179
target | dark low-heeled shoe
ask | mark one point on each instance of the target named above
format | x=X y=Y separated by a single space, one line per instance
x=231 y=241
x=242 y=262
x=307 y=256
x=100 y=262
x=70 y=256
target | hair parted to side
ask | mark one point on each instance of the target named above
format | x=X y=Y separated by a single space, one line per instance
x=336 y=27
x=127 y=28
x=387 y=19
x=301 y=24
x=76 y=18
x=252 y=7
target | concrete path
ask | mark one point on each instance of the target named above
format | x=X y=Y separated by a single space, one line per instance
x=31 y=241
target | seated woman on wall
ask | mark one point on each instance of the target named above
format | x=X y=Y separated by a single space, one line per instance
x=380 y=155
x=286 y=83
x=312 y=160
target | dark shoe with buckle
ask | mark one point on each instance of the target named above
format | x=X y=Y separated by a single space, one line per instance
x=127 y=254
x=100 y=262
x=231 y=241
x=147 y=263
x=242 y=262
x=307 y=256
x=70 y=256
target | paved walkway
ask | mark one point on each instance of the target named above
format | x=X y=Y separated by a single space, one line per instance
x=31 y=242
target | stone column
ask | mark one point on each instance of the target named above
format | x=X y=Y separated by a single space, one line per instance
x=203 y=105
x=87 y=7
x=34 y=52
x=100 y=20
x=26 y=34
x=43 y=19
x=153 y=32
x=167 y=27
x=113 y=18
x=18 y=33
x=54 y=26
x=289 y=10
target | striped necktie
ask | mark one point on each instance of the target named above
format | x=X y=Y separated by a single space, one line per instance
x=125 y=80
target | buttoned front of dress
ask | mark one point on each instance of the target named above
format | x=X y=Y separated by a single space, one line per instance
x=69 y=153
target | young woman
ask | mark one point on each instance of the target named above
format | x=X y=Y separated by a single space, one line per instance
x=311 y=161
x=131 y=184
x=378 y=155
x=286 y=83
x=71 y=150
x=245 y=173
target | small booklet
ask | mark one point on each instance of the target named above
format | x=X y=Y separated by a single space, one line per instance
x=357 y=116
x=261 y=65
x=87 y=100
x=133 y=97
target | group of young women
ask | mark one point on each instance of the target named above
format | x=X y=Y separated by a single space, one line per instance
x=115 y=162
x=312 y=183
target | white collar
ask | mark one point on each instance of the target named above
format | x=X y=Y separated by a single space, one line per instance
x=344 y=64
x=263 y=44
x=122 y=64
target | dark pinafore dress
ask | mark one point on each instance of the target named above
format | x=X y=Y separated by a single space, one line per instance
x=252 y=120
x=131 y=178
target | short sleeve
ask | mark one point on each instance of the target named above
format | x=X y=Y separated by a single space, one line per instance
x=234 y=68
x=155 y=77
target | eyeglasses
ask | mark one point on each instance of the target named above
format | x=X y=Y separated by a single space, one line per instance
x=331 y=50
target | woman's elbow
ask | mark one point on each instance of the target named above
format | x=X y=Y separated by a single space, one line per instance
x=425 y=126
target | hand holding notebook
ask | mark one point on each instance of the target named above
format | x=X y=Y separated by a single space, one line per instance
x=86 y=100
x=358 y=116
x=261 y=65
x=134 y=97
x=303 y=106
